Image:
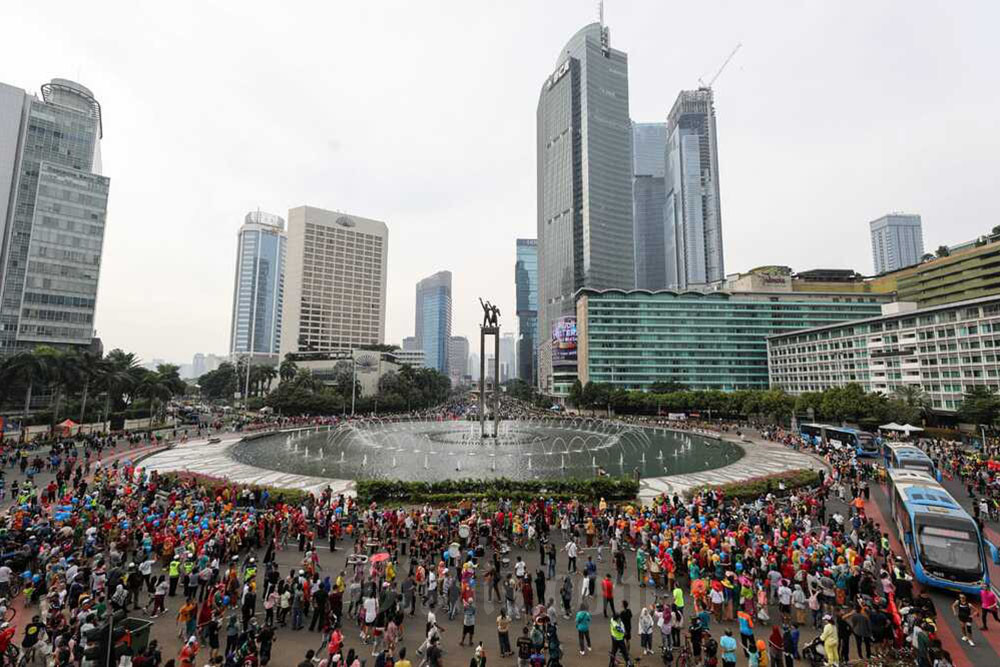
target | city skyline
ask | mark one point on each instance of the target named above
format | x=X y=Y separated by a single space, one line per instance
x=150 y=155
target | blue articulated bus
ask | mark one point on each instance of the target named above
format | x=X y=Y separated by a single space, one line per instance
x=901 y=456
x=862 y=442
x=942 y=542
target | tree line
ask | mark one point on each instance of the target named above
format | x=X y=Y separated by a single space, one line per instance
x=49 y=385
x=299 y=391
x=908 y=404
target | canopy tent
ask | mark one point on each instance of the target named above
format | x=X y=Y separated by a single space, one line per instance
x=69 y=423
x=891 y=426
x=909 y=428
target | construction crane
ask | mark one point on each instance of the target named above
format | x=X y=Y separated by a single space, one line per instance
x=712 y=80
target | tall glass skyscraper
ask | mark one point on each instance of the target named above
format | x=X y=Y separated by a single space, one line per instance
x=258 y=292
x=897 y=242
x=692 y=211
x=649 y=143
x=526 y=287
x=53 y=228
x=433 y=326
x=584 y=153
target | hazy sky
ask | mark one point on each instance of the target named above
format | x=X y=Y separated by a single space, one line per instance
x=422 y=114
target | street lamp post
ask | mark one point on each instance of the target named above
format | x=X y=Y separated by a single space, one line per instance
x=354 y=380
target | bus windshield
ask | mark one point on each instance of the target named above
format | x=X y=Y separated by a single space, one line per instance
x=867 y=442
x=953 y=550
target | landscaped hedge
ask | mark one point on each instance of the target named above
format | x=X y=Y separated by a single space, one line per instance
x=755 y=487
x=216 y=484
x=609 y=488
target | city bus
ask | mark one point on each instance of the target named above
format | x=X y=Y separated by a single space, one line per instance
x=862 y=442
x=941 y=541
x=902 y=456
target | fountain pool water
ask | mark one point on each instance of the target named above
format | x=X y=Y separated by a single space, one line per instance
x=524 y=449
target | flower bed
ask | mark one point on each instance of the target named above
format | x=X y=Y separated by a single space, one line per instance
x=217 y=484
x=755 y=487
x=609 y=488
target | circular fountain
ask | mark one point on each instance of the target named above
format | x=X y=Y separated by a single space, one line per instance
x=522 y=449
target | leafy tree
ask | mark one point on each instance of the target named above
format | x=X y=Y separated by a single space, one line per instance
x=979 y=406
x=575 y=394
x=942 y=251
x=220 y=383
x=666 y=387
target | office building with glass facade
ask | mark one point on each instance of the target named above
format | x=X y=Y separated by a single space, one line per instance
x=526 y=292
x=433 y=320
x=335 y=276
x=945 y=350
x=692 y=210
x=458 y=358
x=649 y=195
x=897 y=242
x=53 y=207
x=700 y=339
x=258 y=292
x=584 y=171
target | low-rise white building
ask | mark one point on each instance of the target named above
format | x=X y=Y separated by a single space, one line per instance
x=945 y=350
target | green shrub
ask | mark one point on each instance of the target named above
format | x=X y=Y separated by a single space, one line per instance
x=752 y=488
x=609 y=488
x=215 y=484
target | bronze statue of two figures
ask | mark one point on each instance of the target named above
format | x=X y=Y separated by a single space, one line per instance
x=491 y=315
x=490 y=327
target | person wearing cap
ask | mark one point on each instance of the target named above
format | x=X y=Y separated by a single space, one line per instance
x=830 y=640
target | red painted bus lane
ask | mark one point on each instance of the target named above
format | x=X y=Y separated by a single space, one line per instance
x=948 y=639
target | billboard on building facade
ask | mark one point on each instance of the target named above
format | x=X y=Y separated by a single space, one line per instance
x=564 y=340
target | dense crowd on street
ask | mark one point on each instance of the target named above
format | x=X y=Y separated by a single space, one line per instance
x=727 y=582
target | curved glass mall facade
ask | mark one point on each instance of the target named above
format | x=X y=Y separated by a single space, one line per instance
x=703 y=340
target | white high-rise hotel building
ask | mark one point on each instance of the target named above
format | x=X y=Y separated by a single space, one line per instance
x=335 y=276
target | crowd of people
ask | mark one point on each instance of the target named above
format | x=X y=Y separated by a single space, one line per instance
x=720 y=580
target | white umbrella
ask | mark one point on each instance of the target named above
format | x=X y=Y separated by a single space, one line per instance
x=910 y=429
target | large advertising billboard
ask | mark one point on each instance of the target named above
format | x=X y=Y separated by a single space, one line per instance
x=564 y=340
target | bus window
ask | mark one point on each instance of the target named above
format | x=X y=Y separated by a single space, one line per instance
x=953 y=550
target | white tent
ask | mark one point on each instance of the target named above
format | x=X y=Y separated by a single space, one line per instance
x=908 y=428
x=891 y=426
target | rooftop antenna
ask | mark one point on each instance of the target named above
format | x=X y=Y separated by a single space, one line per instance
x=725 y=62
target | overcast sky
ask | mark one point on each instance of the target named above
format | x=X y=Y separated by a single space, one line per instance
x=422 y=114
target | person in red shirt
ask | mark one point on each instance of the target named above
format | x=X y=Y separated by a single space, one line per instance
x=608 y=591
x=189 y=653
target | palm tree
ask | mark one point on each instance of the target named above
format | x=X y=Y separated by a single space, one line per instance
x=92 y=368
x=29 y=368
x=265 y=376
x=157 y=388
x=913 y=396
x=121 y=373
x=62 y=373
x=287 y=370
